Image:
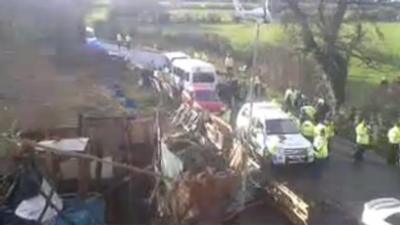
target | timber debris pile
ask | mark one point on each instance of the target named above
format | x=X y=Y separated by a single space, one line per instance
x=211 y=176
x=196 y=156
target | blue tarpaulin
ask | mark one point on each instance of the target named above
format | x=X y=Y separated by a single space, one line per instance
x=95 y=46
x=83 y=212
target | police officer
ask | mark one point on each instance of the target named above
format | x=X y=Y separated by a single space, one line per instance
x=330 y=131
x=204 y=57
x=321 y=145
x=229 y=63
x=196 y=55
x=119 y=40
x=307 y=129
x=322 y=109
x=363 y=139
x=394 y=141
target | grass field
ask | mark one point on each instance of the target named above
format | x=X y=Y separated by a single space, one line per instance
x=242 y=35
x=225 y=14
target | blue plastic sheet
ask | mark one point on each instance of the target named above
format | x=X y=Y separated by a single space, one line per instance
x=88 y=212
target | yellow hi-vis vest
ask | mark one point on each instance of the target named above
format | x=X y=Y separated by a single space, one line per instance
x=394 y=135
x=321 y=147
x=362 y=134
x=307 y=128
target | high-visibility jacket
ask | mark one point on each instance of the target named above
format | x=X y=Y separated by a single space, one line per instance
x=394 y=135
x=309 y=110
x=362 y=134
x=307 y=128
x=196 y=55
x=204 y=57
x=318 y=129
x=321 y=147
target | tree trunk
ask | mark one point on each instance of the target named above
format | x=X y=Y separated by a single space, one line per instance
x=335 y=67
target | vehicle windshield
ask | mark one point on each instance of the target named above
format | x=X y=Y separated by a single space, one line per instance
x=205 y=96
x=202 y=77
x=281 y=126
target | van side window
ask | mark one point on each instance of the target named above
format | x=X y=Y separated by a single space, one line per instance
x=178 y=72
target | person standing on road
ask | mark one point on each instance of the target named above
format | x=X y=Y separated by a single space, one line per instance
x=394 y=141
x=128 y=41
x=204 y=57
x=330 y=132
x=321 y=146
x=119 y=41
x=257 y=87
x=229 y=63
x=322 y=109
x=321 y=153
x=362 y=139
x=288 y=99
x=196 y=55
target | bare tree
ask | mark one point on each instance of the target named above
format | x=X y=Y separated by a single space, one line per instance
x=322 y=35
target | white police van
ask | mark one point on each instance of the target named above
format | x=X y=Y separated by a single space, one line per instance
x=272 y=132
x=190 y=73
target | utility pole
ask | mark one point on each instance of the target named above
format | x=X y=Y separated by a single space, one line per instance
x=253 y=72
x=251 y=99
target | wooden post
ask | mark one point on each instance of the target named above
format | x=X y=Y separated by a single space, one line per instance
x=84 y=177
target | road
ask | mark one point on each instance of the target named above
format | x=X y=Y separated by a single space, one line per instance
x=342 y=186
x=343 y=183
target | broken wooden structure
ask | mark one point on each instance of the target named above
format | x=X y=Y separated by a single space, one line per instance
x=209 y=168
x=98 y=156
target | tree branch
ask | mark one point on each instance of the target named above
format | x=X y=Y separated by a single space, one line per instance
x=321 y=10
x=307 y=34
x=332 y=33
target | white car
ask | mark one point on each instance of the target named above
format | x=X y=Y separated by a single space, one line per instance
x=272 y=132
x=381 y=211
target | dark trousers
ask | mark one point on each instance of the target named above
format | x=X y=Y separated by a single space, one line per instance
x=359 y=154
x=229 y=71
x=393 y=154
